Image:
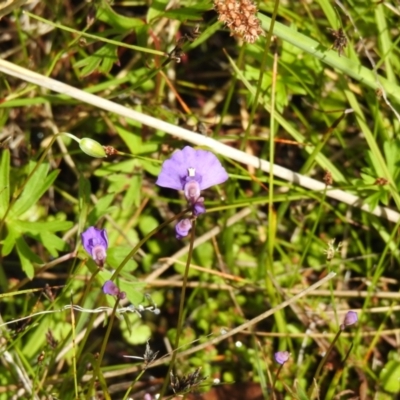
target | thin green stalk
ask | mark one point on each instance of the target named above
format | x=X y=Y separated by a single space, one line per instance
x=311 y=234
x=95 y=37
x=229 y=95
x=263 y=67
x=272 y=226
x=181 y=307
x=133 y=384
x=74 y=370
x=103 y=349
x=322 y=363
x=276 y=379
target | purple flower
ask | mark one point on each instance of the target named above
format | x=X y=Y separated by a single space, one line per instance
x=112 y=289
x=281 y=357
x=192 y=171
x=350 y=318
x=182 y=228
x=95 y=242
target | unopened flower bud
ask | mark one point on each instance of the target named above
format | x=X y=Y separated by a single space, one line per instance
x=92 y=148
x=111 y=288
x=182 y=228
x=281 y=357
x=350 y=319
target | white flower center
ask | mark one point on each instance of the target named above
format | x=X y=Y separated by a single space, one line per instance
x=191 y=172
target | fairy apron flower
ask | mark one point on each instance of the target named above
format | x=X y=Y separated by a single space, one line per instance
x=192 y=171
x=95 y=242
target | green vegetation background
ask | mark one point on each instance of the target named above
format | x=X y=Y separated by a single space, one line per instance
x=297 y=98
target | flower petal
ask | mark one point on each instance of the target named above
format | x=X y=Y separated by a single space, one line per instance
x=208 y=170
x=209 y=167
x=173 y=172
x=94 y=237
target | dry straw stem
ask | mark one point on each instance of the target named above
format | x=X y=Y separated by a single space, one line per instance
x=195 y=138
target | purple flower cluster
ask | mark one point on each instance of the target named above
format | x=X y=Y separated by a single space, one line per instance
x=192 y=171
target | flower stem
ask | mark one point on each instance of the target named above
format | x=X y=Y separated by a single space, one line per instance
x=322 y=363
x=103 y=347
x=181 y=307
x=275 y=379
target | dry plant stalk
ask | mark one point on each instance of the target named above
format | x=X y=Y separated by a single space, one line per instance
x=240 y=17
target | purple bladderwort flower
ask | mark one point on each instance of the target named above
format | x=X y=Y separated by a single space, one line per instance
x=281 y=357
x=95 y=242
x=183 y=227
x=350 y=318
x=192 y=171
x=112 y=289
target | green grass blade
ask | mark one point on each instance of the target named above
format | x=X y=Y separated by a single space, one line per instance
x=4 y=182
x=330 y=57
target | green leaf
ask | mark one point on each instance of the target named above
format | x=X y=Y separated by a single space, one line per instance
x=157 y=9
x=141 y=332
x=204 y=254
x=109 y=168
x=102 y=60
x=101 y=208
x=389 y=376
x=37 y=227
x=147 y=223
x=132 y=140
x=9 y=241
x=374 y=199
x=188 y=13
x=26 y=256
x=52 y=243
x=5 y=182
x=392 y=154
x=34 y=189
x=301 y=393
x=133 y=194
x=116 y=255
x=106 y=14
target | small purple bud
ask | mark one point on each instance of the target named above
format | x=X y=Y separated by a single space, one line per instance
x=198 y=206
x=111 y=288
x=281 y=357
x=182 y=228
x=95 y=242
x=122 y=295
x=350 y=318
